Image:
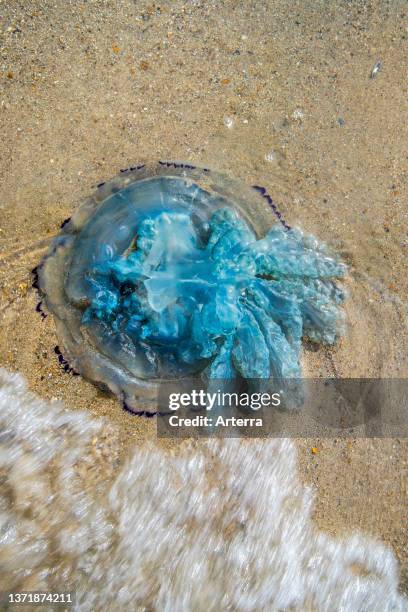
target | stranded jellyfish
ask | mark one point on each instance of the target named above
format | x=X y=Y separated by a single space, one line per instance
x=172 y=271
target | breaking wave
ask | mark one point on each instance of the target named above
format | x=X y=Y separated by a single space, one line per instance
x=215 y=525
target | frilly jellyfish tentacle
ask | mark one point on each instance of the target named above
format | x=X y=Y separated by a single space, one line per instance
x=171 y=271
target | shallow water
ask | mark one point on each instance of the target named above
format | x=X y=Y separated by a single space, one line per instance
x=213 y=526
x=273 y=93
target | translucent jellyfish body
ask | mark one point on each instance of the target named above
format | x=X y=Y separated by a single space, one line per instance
x=172 y=271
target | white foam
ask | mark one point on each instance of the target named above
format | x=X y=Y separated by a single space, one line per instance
x=218 y=525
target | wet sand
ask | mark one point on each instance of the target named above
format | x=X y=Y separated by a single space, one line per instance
x=273 y=93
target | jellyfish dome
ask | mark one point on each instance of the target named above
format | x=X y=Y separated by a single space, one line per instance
x=172 y=271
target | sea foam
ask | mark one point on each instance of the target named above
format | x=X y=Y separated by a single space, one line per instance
x=215 y=525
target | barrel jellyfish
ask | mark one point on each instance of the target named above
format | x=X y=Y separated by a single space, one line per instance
x=172 y=271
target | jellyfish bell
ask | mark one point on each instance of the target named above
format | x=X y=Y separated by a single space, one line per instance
x=171 y=271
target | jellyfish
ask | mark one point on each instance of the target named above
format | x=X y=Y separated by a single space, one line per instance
x=171 y=271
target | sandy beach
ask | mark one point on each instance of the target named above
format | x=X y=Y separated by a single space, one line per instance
x=271 y=92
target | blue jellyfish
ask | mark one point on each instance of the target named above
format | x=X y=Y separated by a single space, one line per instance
x=172 y=271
